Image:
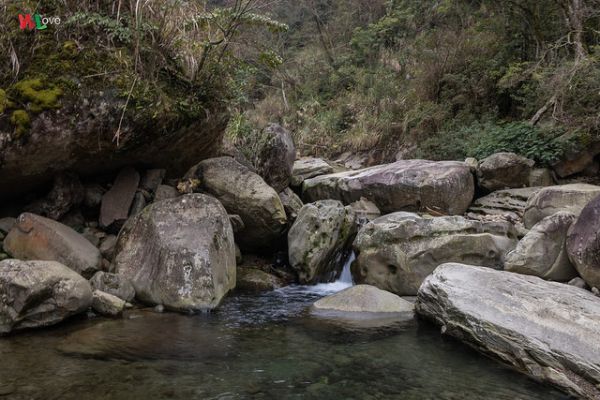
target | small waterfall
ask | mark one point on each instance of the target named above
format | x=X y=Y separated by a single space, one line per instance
x=346 y=276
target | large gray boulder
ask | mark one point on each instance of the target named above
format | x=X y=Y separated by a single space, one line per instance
x=179 y=253
x=396 y=252
x=319 y=239
x=542 y=252
x=583 y=243
x=547 y=330
x=363 y=298
x=549 y=200
x=37 y=238
x=276 y=157
x=504 y=171
x=39 y=293
x=309 y=167
x=246 y=194
x=407 y=185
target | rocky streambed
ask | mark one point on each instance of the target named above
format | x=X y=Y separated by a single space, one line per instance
x=498 y=253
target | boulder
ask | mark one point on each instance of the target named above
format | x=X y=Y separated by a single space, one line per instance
x=6 y=224
x=396 y=252
x=138 y=204
x=117 y=201
x=107 y=304
x=363 y=298
x=107 y=246
x=93 y=196
x=319 y=240
x=291 y=203
x=39 y=293
x=114 y=284
x=178 y=253
x=503 y=205
x=547 y=330
x=165 y=192
x=547 y=201
x=365 y=210
x=255 y=280
x=309 y=167
x=38 y=238
x=276 y=157
x=540 y=177
x=577 y=160
x=407 y=185
x=246 y=194
x=152 y=179
x=236 y=223
x=583 y=243
x=542 y=252
x=504 y=171
x=66 y=193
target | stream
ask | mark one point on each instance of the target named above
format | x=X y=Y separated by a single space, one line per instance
x=252 y=347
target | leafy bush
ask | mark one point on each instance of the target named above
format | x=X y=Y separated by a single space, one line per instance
x=481 y=140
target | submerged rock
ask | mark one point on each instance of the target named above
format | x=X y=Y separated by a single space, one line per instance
x=179 y=253
x=504 y=171
x=546 y=330
x=38 y=238
x=276 y=157
x=255 y=280
x=583 y=243
x=39 y=293
x=363 y=298
x=319 y=239
x=549 y=200
x=542 y=252
x=246 y=194
x=408 y=185
x=396 y=252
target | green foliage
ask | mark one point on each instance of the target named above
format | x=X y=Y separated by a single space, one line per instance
x=481 y=140
x=113 y=28
x=20 y=119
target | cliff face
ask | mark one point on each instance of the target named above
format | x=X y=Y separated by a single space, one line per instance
x=80 y=137
x=64 y=107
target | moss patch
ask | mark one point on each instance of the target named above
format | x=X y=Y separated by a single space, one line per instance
x=20 y=119
x=39 y=94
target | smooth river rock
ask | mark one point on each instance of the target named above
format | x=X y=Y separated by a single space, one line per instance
x=114 y=284
x=37 y=238
x=396 y=252
x=549 y=200
x=542 y=252
x=547 y=330
x=319 y=239
x=363 y=298
x=39 y=293
x=408 y=185
x=107 y=304
x=246 y=194
x=179 y=253
x=117 y=201
x=583 y=243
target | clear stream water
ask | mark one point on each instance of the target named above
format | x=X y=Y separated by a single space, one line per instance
x=253 y=347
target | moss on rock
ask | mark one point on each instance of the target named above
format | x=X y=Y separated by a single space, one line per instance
x=20 y=119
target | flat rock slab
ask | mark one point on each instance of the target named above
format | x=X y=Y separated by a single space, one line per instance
x=446 y=187
x=547 y=330
x=309 y=167
x=117 y=201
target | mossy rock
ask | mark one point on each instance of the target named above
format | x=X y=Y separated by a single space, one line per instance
x=20 y=119
x=40 y=95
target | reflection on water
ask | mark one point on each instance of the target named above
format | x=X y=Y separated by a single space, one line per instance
x=253 y=347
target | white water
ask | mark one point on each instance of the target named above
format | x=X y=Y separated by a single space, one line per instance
x=343 y=282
